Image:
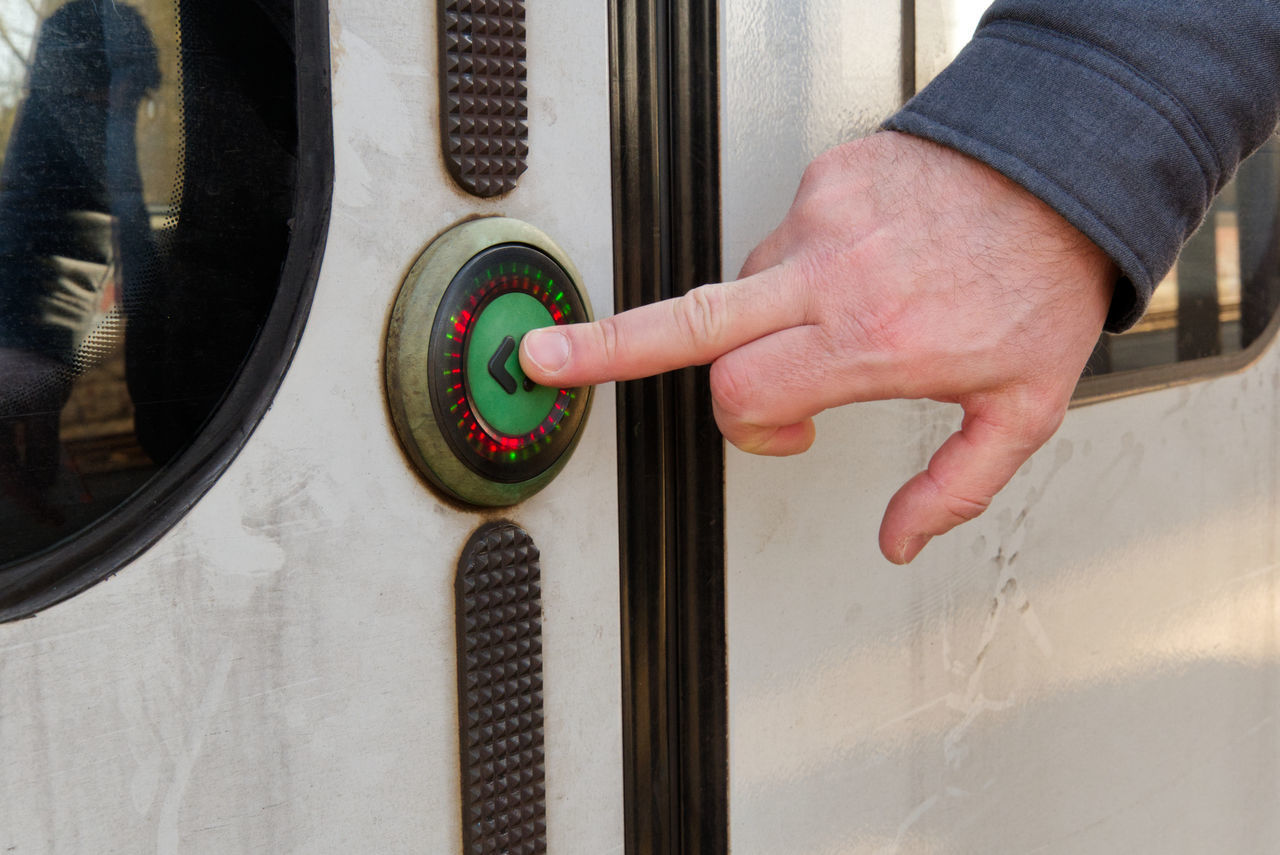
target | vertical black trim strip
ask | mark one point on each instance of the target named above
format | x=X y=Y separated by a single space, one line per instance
x=641 y=248
x=1199 y=330
x=670 y=456
x=696 y=471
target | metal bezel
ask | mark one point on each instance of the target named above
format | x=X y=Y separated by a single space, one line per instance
x=407 y=355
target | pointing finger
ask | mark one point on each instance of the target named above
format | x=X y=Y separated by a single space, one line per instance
x=689 y=330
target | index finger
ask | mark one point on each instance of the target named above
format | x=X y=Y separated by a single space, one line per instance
x=690 y=330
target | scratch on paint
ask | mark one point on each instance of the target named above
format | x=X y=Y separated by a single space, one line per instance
x=912 y=818
x=968 y=698
x=275 y=689
x=1257 y=727
x=972 y=702
x=167 y=838
x=1017 y=599
x=51 y=638
x=912 y=713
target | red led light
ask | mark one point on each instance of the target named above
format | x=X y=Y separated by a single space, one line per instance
x=479 y=436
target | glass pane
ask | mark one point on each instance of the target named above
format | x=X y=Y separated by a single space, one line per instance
x=943 y=27
x=145 y=194
x=1222 y=293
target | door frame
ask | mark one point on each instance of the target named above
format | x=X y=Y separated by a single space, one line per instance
x=666 y=145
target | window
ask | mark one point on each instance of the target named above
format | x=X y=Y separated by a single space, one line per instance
x=163 y=192
x=1220 y=297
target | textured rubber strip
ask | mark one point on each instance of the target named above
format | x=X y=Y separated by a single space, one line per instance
x=499 y=591
x=484 y=107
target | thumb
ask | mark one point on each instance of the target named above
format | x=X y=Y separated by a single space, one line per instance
x=997 y=436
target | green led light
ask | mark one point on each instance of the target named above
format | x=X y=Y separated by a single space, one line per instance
x=486 y=434
x=517 y=411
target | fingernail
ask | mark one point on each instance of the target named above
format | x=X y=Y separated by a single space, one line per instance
x=911 y=547
x=547 y=349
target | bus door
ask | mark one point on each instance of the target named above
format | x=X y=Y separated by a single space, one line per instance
x=1092 y=665
x=292 y=556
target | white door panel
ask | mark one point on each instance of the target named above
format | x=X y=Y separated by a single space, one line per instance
x=1089 y=667
x=1092 y=666
x=278 y=673
x=787 y=73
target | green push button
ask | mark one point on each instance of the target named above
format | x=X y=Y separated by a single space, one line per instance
x=503 y=397
x=464 y=411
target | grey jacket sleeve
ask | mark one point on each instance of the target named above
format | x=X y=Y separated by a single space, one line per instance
x=1125 y=116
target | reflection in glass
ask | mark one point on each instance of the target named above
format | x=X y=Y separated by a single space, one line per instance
x=137 y=261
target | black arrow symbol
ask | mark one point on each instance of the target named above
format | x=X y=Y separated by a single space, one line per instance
x=498 y=365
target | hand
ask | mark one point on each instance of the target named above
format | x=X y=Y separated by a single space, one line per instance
x=903 y=270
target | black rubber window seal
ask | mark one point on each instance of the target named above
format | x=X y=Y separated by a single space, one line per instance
x=106 y=546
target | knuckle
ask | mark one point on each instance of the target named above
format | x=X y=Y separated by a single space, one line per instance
x=877 y=331
x=818 y=197
x=821 y=169
x=753 y=441
x=1031 y=417
x=1040 y=427
x=813 y=175
x=759 y=258
x=700 y=314
x=809 y=216
x=732 y=389
x=815 y=211
x=965 y=508
x=962 y=507
x=608 y=339
x=879 y=328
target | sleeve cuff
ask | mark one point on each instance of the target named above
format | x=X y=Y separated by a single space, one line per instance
x=1114 y=154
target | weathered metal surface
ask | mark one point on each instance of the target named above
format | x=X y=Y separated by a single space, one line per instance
x=1093 y=666
x=278 y=673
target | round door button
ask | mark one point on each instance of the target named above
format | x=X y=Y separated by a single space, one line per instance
x=506 y=401
x=465 y=411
